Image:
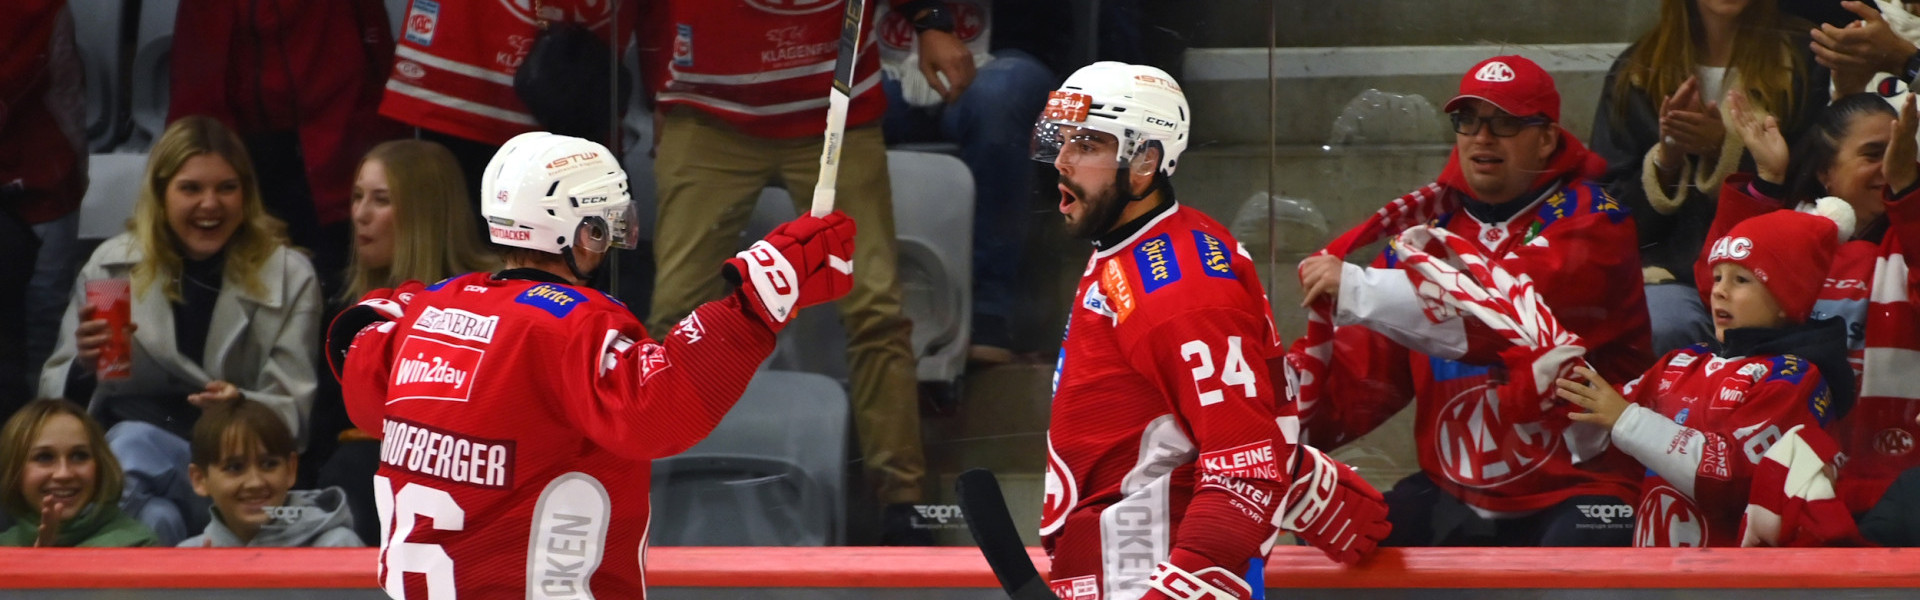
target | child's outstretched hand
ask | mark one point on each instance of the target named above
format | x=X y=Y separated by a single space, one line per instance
x=1603 y=404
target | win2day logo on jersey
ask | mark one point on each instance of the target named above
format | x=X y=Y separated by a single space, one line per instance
x=429 y=369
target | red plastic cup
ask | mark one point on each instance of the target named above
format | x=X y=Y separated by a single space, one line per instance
x=112 y=299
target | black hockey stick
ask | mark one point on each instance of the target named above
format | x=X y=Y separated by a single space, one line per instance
x=986 y=513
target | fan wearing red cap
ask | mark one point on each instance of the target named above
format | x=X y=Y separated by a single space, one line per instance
x=1768 y=270
x=1522 y=189
x=1704 y=416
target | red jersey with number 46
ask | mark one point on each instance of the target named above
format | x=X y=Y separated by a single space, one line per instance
x=517 y=418
x=1165 y=428
x=1728 y=412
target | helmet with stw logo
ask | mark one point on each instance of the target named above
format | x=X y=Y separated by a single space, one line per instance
x=549 y=192
x=1136 y=104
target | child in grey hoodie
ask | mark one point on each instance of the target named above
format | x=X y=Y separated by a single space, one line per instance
x=244 y=460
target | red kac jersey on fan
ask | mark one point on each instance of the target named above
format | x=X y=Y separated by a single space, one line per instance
x=1577 y=245
x=763 y=66
x=1165 y=431
x=1723 y=414
x=517 y=418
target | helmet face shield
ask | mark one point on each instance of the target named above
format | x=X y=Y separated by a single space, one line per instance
x=614 y=226
x=625 y=227
x=1067 y=145
x=606 y=205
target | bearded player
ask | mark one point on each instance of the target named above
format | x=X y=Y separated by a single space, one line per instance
x=1171 y=459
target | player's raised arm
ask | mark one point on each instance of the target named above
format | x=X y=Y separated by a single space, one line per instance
x=649 y=398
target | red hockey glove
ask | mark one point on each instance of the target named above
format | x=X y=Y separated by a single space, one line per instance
x=1188 y=576
x=378 y=306
x=1331 y=507
x=799 y=264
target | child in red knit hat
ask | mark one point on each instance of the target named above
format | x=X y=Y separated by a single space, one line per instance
x=1702 y=419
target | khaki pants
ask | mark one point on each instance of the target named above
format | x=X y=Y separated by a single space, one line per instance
x=709 y=177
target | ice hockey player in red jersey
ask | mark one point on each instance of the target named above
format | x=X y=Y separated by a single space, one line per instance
x=1494 y=470
x=1171 y=455
x=1704 y=416
x=518 y=410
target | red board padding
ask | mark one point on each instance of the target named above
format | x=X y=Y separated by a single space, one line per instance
x=963 y=568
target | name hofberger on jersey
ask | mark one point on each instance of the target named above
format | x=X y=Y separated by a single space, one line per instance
x=458 y=323
x=446 y=456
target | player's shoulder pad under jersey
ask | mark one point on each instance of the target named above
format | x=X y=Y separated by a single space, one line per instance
x=557 y=300
x=1578 y=198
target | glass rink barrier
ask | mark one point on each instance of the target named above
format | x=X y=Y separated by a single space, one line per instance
x=714 y=573
x=1305 y=127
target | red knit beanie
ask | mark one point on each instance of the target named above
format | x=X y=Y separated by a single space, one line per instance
x=1788 y=251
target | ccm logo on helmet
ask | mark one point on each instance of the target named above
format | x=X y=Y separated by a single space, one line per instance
x=573 y=158
x=1734 y=248
x=1153 y=120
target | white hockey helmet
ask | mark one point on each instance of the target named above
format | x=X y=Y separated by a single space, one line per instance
x=1136 y=104
x=541 y=191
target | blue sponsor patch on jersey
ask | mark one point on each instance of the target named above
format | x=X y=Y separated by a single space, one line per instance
x=1448 y=370
x=1156 y=262
x=1787 y=367
x=1681 y=419
x=1214 y=260
x=1820 y=403
x=1580 y=198
x=555 y=299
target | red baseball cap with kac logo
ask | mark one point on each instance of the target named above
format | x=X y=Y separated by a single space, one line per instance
x=1513 y=83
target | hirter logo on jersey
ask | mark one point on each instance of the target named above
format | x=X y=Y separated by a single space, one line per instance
x=1213 y=256
x=1249 y=460
x=1156 y=262
x=1667 y=519
x=556 y=300
x=1479 y=449
x=429 y=369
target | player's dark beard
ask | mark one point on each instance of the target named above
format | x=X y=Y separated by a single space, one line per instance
x=1103 y=210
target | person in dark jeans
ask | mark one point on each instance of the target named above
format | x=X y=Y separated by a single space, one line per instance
x=990 y=118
